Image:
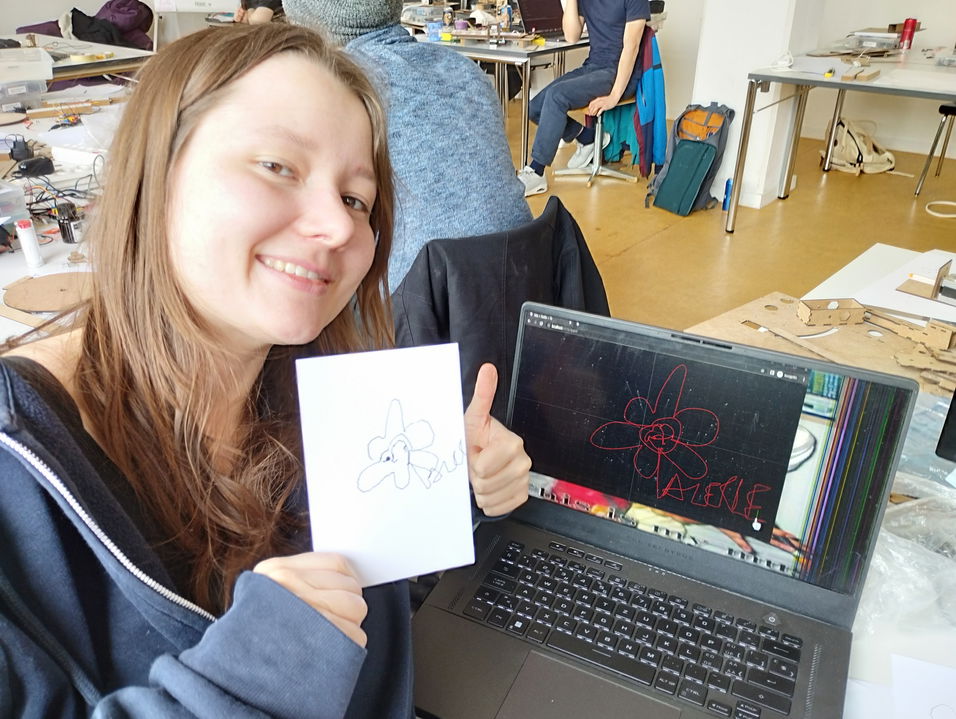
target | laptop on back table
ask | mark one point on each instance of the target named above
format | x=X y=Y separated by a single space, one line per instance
x=701 y=522
x=542 y=17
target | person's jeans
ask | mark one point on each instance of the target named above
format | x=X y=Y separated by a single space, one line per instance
x=549 y=108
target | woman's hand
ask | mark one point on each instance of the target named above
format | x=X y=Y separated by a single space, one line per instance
x=497 y=463
x=326 y=582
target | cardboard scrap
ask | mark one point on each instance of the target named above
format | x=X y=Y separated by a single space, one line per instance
x=922 y=358
x=771 y=322
x=47 y=293
x=24 y=318
x=945 y=383
x=936 y=334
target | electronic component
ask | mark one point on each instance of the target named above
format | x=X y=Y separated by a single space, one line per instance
x=20 y=150
x=35 y=166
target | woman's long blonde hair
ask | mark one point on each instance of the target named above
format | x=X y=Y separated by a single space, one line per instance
x=143 y=374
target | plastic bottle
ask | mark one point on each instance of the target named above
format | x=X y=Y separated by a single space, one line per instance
x=27 y=235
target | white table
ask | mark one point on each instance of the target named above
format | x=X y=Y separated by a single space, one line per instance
x=121 y=59
x=907 y=77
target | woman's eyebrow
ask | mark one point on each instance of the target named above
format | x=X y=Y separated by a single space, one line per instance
x=283 y=133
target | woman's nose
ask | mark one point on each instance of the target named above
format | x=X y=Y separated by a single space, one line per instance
x=325 y=217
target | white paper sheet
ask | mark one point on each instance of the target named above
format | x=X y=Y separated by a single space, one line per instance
x=923 y=690
x=867 y=700
x=384 y=447
x=883 y=292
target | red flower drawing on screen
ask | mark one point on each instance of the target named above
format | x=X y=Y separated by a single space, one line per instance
x=663 y=433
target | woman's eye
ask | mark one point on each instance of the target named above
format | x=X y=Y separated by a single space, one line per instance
x=355 y=203
x=276 y=167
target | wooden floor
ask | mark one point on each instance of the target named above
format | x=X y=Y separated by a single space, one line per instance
x=674 y=271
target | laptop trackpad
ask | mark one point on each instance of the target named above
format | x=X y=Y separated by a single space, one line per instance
x=547 y=688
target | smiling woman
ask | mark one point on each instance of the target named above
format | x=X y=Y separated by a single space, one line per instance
x=275 y=277
x=155 y=527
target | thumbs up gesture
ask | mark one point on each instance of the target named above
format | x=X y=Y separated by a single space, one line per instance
x=497 y=463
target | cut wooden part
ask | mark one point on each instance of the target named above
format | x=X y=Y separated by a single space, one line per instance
x=24 y=318
x=843 y=311
x=800 y=342
x=81 y=109
x=936 y=334
x=49 y=293
x=926 y=287
x=851 y=74
x=921 y=358
x=12 y=118
x=944 y=382
x=861 y=345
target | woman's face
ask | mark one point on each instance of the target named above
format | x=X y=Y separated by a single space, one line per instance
x=269 y=210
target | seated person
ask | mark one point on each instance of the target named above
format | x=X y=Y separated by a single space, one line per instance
x=615 y=28
x=255 y=12
x=453 y=167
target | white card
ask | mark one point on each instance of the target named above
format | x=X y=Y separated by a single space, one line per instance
x=385 y=460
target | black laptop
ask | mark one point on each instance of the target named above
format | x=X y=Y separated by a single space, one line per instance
x=702 y=518
x=542 y=17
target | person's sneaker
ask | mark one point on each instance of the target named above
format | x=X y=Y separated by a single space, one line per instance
x=534 y=184
x=585 y=153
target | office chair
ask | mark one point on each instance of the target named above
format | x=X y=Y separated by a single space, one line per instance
x=597 y=167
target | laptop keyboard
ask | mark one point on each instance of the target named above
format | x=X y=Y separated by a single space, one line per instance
x=580 y=603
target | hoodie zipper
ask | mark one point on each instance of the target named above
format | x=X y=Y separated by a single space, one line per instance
x=27 y=454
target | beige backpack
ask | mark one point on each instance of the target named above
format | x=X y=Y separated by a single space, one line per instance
x=855 y=151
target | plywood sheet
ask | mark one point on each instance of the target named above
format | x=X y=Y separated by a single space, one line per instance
x=863 y=345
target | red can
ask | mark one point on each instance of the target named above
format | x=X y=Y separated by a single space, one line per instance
x=906 y=37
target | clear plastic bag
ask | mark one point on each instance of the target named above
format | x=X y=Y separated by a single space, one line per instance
x=912 y=578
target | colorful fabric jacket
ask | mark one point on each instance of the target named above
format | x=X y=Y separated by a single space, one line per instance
x=90 y=626
x=642 y=127
x=650 y=121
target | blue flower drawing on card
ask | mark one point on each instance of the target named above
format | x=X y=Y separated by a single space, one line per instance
x=401 y=453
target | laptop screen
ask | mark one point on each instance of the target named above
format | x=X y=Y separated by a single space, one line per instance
x=541 y=16
x=752 y=455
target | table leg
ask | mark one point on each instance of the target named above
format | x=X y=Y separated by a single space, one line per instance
x=741 y=155
x=837 y=110
x=501 y=85
x=795 y=127
x=525 y=96
x=942 y=155
x=558 y=63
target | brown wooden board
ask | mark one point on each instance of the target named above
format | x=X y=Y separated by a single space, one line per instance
x=863 y=345
x=49 y=293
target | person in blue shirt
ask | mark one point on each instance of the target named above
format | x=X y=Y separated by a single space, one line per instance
x=454 y=173
x=614 y=28
x=156 y=548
